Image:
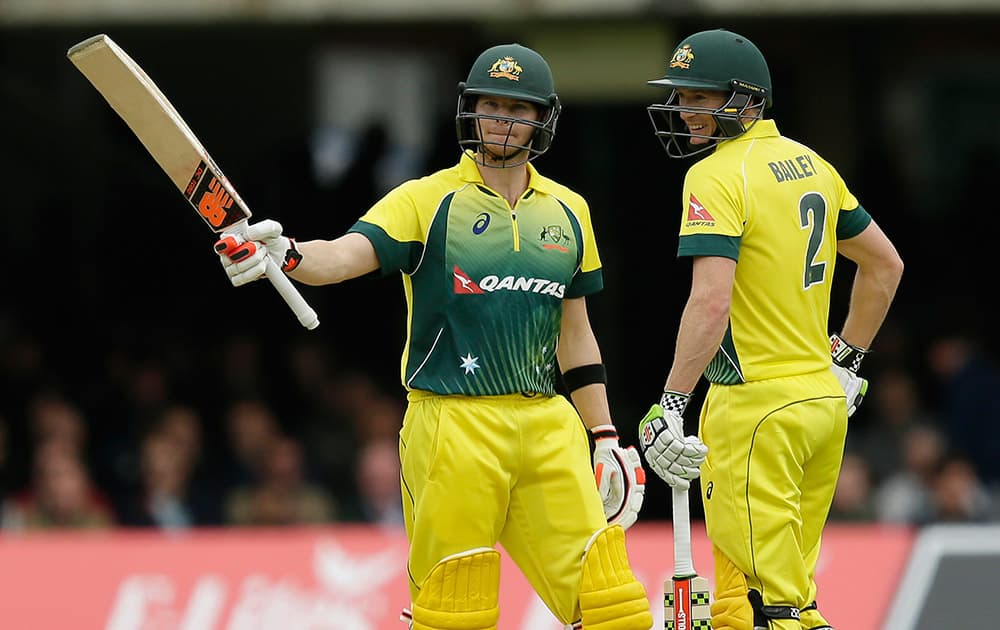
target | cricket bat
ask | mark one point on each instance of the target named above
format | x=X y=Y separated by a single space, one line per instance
x=686 y=595
x=141 y=104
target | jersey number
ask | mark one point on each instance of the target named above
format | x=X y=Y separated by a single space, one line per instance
x=812 y=214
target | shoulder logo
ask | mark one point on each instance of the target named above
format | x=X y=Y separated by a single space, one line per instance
x=463 y=283
x=506 y=68
x=698 y=214
x=682 y=58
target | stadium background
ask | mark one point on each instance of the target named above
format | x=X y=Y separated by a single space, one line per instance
x=103 y=258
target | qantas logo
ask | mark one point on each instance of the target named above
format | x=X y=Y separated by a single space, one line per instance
x=465 y=285
x=698 y=214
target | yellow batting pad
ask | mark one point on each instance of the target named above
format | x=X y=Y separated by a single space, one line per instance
x=731 y=609
x=460 y=593
x=610 y=596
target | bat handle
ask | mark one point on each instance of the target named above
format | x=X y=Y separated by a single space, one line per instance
x=683 y=565
x=305 y=313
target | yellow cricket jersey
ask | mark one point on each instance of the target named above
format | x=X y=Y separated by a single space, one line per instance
x=484 y=282
x=777 y=208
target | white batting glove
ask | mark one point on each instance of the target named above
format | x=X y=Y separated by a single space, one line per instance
x=676 y=458
x=246 y=260
x=846 y=362
x=621 y=480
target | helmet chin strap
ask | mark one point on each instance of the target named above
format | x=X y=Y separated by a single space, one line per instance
x=490 y=158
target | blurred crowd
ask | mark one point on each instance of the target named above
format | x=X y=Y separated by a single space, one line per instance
x=148 y=451
x=924 y=446
x=238 y=434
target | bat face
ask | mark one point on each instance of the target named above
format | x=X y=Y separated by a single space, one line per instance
x=686 y=604
x=153 y=119
x=160 y=128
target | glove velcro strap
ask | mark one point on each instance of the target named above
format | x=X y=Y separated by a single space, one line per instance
x=583 y=375
x=292 y=257
x=604 y=432
x=845 y=355
x=675 y=401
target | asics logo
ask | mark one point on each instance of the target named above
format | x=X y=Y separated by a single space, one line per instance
x=482 y=222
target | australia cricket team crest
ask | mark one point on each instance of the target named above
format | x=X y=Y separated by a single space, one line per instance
x=682 y=57
x=554 y=236
x=507 y=68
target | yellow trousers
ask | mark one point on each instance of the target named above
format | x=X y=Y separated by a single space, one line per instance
x=775 y=449
x=513 y=470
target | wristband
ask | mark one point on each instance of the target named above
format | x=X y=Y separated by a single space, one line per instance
x=584 y=375
x=292 y=257
x=845 y=355
x=674 y=401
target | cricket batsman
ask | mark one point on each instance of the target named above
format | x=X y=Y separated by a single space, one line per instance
x=496 y=262
x=764 y=218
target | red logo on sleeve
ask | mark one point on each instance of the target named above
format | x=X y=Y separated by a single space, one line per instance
x=698 y=213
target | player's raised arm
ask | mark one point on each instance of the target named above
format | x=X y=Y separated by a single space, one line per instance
x=315 y=262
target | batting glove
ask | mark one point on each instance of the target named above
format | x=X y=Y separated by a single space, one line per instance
x=621 y=480
x=676 y=458
x=245 y=260
x=846 y=362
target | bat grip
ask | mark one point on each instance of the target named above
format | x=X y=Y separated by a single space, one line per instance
x=683 y=565
x=305 y=313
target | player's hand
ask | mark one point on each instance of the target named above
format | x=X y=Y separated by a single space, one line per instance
x=846 y=363
x=246 y=260
x=621 y=480
x=676 y=458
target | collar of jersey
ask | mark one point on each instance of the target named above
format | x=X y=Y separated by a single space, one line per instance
x=469 y=172
x=761 y=129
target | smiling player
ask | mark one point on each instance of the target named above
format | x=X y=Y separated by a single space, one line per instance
x=764 y=219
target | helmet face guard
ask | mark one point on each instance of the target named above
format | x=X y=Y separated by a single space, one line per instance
x=718 y=61
x=508 y=71
x=731 y=120
x=468 y=127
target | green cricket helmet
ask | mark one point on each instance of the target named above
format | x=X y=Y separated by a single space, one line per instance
x=717 y=60
x=516 y=72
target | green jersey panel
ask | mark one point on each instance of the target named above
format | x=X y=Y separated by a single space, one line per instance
x=777 y=208
x=484 y=282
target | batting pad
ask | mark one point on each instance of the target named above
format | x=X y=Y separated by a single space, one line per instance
x=610 y=596
x=731 y=609
x=460 y=593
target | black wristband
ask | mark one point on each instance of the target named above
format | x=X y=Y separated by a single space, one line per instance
x=845 y=355
x=584 y=375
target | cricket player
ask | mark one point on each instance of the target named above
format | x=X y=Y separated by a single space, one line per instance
x=763 y=219
x=496 y=261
